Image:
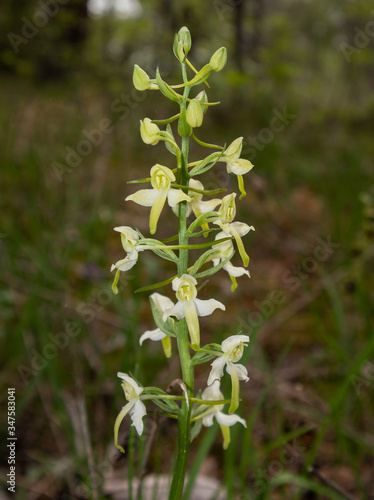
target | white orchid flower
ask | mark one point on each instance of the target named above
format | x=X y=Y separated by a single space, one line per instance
x=224 y=250
x=213 y=393
x=232 y=348
x=227 y=214
x=163 y=304
x=235 y=164
x=190 y=307
x=134 y=406
x=129 y=240
x=161 y=179
x=197 y=205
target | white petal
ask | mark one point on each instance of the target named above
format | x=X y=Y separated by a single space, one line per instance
x=194 y=183
x=137 y=414
x=176 y=310
x=126 y=263
x=207 y=206
x=208 y=420
x=156 y=334
x=162 y=303
x=235 y=271
x=138 y=390
x=175 y=196
x=229 y=420
x=212 y=392
x=241 y=370
x=233 y=341
x=206 y=307
x=241 y=228
x=177 y=282
x=128 y=232
x=239 y=167
x=144 y=197
x=216 y=373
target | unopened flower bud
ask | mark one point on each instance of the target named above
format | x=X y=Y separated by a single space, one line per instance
x=149 y=132
x=218 y=59
x=184 y=36
x=140 y=79
x=194 y=114
x=203 y=99
x=182 y=44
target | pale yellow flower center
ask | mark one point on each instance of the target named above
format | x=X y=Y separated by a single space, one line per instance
x=236 y=353
x=130 y=393
x=185 y=292
x=160 y=181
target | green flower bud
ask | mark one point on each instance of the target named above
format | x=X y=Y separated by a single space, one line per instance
x=184 y=36
x=218 y=59
x=194 y=114
x=140 y=79
x=149 y=132
x=202 y=98
x=182 y=44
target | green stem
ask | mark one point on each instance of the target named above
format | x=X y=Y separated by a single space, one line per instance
x=183 y=446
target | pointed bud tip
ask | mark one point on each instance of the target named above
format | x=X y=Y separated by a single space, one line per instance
x=140 y=79
x=218 y=60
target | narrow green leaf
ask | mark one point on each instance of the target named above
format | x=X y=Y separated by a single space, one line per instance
x=168 y=146
x=200 y=220
x=166 y=89
x=214 y=269
x=155 y=285
x=210 y=192
x=196 y=428
x=201 y=261
x=206 y=164
x=139 y=181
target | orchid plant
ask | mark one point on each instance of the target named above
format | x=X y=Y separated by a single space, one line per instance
x=178 y=321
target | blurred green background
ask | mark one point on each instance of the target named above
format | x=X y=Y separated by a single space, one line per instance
x=298 y=87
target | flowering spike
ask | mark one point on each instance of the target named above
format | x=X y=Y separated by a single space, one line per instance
x=178 y=188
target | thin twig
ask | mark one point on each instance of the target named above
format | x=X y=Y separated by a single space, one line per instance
x=331 y=484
